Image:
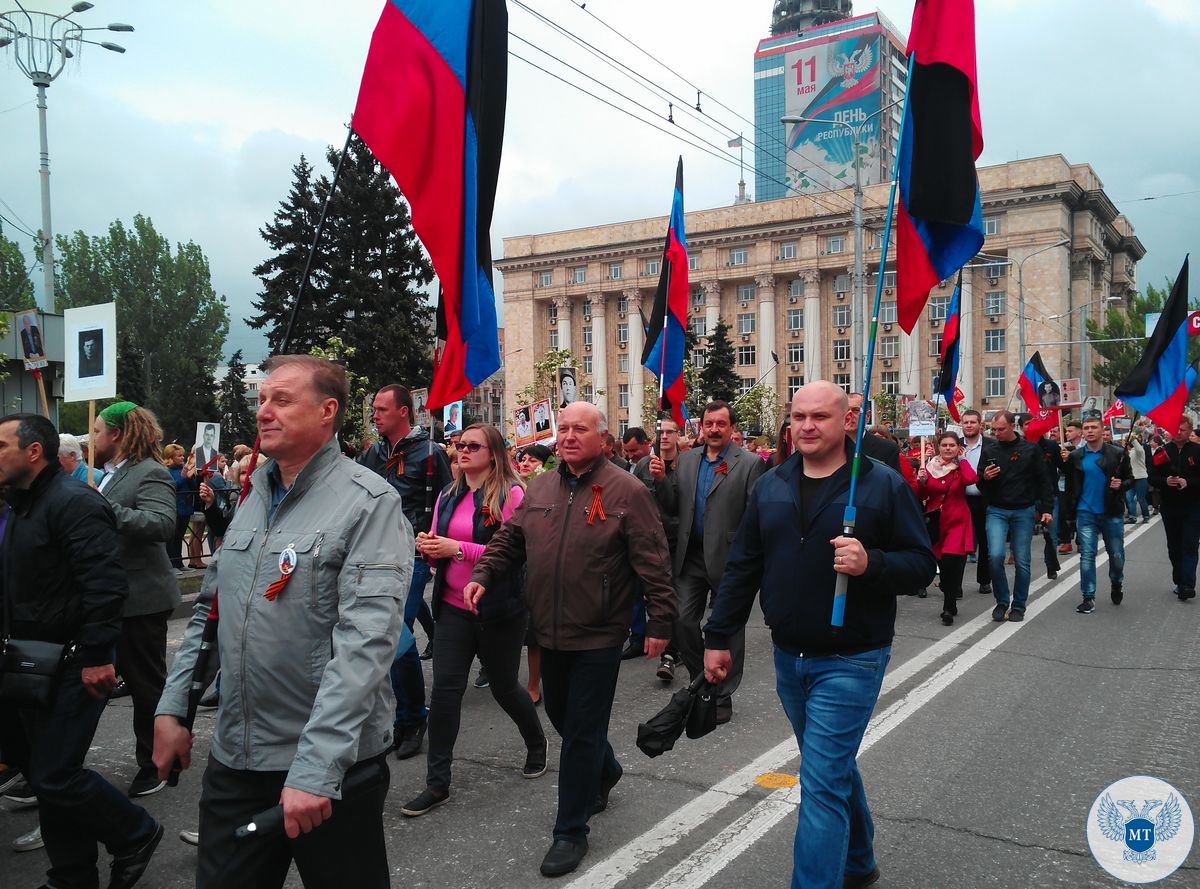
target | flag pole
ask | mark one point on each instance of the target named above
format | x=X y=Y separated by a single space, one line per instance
x=850 y=516
x=662 y=366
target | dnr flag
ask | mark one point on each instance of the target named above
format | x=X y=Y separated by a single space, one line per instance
x=947 y=380
x=1160 y=384
x=663 y=354
x=1041 y=395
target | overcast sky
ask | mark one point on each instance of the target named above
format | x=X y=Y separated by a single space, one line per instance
x=199 y=123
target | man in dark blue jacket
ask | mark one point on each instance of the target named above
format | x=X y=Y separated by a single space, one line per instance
x=791 y=547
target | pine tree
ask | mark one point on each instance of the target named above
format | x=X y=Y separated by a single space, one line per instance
x=131 y=378
x=719 y=380
x=1118 y=341
x=237 y=420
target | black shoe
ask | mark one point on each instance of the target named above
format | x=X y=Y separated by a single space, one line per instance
x=666 y=669
x=1000 y=612
x=121 y=691
x=606 y=786
x=985 y=589
x=635 y=647
x=482 y=681
x=9 y=779
x=424 y=801
x=859 y=881
x=1184 y=595
x=1118 y=594
x=1087 y=606
x=1052 y=573
x=1016 y=617
x=724 y=709
x=408 y=740
x=535 y=762
x=146 y=782
x=211 y=699
x=947 y=618
x=427 y=652
x=21 y=794
x=923 y=593
x=564 y=856
x=128 y=869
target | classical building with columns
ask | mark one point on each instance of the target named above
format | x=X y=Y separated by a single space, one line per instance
x=780 y=273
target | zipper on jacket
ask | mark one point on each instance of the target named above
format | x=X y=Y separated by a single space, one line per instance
x=363 y=566
x=245 y=629
x=562 y=542
x=312 y=573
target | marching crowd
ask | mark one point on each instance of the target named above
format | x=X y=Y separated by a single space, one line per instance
x=583 y=555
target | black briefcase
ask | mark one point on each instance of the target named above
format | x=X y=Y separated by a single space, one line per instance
x=31 y=672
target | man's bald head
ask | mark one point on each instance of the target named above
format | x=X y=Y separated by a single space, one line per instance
x=585 y=411
x=823 y=389
x=820 y=412
x=582 y=429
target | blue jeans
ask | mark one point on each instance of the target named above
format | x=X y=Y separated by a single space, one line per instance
x=1138 y=495
x=1091 y=526
x=829 y=702
x=408 y=680
x=1000 y=522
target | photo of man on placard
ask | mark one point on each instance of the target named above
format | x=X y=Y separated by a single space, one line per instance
x=568 y=386
x=91 y=353
x=31 y=336
x=1049 y=395
x=208 y=443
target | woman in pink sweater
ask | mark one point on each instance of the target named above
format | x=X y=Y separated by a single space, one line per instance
x=468 y=512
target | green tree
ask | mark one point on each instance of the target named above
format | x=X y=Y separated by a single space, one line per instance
x=758 y=410
x=167 y=313
x=237 y=420
x=131 y=366
x=718 y=379
x=16 y=287
x=356 y=428
x=1128 y=323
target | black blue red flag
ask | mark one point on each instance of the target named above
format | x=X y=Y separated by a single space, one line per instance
x=431 y=108
x=1041 y=395
x=951 y=351
x=1160 y=384
x=940 y=218
x=663 y=354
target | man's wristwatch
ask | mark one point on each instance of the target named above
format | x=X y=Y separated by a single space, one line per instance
x=458 y=556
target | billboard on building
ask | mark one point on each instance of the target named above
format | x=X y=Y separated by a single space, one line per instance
x=833 y=80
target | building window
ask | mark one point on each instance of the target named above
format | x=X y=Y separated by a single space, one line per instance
x=795 y=288
x=787 y=250
x=587 y=364
x=841 y=350
x=747 y=293
x=935 y=377
x=552 y=313
x=587 y=310
x=745 y=322
x=746 y=356
x=623 y=363
x=889 y=347
x=889 y=280
x=835 y=244
x=614 y=271
x=623 y=395
x=697 y=297
x=993 y=382
x=579 y=274
x=545 y=279
x=744 y=386
x=935 y=344
x=842 y=380
x=841 y=315
x=699 y=359
x=995 y=302
x=587 y=335
x=841 y=284
x=588 y=393
x=623 y=333
x=887 y=312
x=698 y=325
x=794 y=383
x=622 y=306
x=993 y=340
x=991 y=225
x=738 y=256
x=795 y=353
x=937 y=307
x=553 y=338
x=694 y=263
x=795 y=319
x=996 y=269
x=891 y=382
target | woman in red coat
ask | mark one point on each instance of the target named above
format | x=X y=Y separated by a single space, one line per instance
x=942 y=488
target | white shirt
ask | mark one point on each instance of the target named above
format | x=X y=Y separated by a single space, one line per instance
x=110 y=470
x=972 y=454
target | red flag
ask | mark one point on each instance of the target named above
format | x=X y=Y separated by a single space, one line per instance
x=1117 y=410
x=1040 y=423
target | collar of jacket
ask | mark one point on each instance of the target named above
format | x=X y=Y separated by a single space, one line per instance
x=325 y=456
x=22 y=501
x=564 y=471
x=793 y=466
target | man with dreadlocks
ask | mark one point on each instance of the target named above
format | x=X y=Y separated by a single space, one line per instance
x=142 y=496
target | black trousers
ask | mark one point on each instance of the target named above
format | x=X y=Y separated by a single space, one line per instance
x=77 y=807
x=950 y=577
x=175 y=544
x=578 y=688
x=142 y=663
x=346 y=850
x=1182 y=527
x=691 y=592
x=978 y=507
x=460 y=637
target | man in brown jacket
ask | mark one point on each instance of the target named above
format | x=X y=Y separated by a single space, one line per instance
x=584 y=532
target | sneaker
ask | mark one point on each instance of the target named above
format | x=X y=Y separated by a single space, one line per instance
x=1052 y=573
x=212 y=698
x=985 y=589
x=1015 y=617
x=606 y=786
x=482 y=681
x=427 y=652
x=1118 y=594
x=408 y=740
x=535 y=762
x=191 y=837
x=1000 y=613
x=861 y=881
x=9 y=778
x=1064 y=548
x=1087 y=606
x=146 y=782
x=1130 y=520
x=424 y=801
x=121 y=691
x=23 y=794
x=634 y=648
x=29 y=842
x=666 y=669
x=1184 y=595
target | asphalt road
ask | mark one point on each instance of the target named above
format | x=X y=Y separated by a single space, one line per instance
x=987 y=749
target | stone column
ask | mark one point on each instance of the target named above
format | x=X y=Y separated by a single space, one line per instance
x=712 y=305
x=968 y=310
x=633 y=316
x=766 y=330
x=564 y=321
x=600 y=354
x=812 y=324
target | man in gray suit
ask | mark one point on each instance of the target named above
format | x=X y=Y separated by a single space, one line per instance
x=708 y=492
x=142 y=496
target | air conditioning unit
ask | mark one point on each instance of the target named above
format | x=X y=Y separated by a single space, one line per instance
x=588 y=347
x=793 y=299
x=993 y=280
x=841 y=330
x=795 y=333
x=887 y=362
x=841 y=365
x=622 y=344
x=795 y=367
x=887 y=326
x=620 y=314
x=983 y=400
x=841 y=294
x=728 y=263
x=888 y=291
x=994 y=319
x=745 y=337
x=934 y=322
x=744 y=305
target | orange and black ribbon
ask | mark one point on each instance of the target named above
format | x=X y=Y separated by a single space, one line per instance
x=488 y=518
x=273 y=591
x=723 y=469
x=597 y=507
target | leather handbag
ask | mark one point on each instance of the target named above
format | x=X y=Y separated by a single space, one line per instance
x=31 y=672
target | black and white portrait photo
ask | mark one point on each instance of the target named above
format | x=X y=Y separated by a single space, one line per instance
x=568 y=386
x=91 y=353
x=208 y=443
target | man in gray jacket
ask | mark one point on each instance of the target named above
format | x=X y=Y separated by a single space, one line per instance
x=312 y=580
x=142 y=496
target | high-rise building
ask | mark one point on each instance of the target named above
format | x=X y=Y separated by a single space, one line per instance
x=843 y=73
x=800 y=15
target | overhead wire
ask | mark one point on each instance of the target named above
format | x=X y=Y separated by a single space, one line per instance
x=19 y=228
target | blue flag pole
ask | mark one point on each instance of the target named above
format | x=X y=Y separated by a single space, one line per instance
x=850 y=516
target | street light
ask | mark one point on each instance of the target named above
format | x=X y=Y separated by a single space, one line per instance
x=42 y=43
x=1021 y=292
x=1083 y=359
x=859 y=298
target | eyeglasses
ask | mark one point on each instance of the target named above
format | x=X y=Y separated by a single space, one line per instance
x=472 y=447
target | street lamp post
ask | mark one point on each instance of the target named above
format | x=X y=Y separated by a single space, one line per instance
x=1083 y=358
x=1021 y=293
x=860 y=307
x=42 y=43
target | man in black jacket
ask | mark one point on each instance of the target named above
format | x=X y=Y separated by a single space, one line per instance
x=827 y=681
x=1015 y=481
x=62 y=584
x=1177 y=478
x=1097 y=476
x=886 y=452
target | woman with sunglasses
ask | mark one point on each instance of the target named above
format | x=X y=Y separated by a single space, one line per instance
x=468 y=512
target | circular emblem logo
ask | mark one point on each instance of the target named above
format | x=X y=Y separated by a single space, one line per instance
x=287 y=561
x=1140 y=829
